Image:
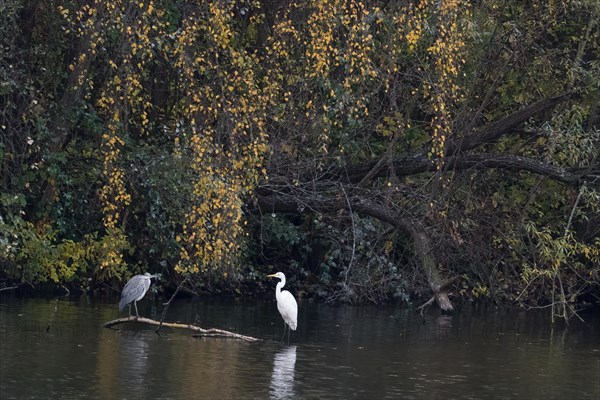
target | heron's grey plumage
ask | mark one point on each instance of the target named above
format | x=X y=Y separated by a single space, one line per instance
x=135 y=290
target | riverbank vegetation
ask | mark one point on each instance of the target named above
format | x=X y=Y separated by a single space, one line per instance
x=374 y=151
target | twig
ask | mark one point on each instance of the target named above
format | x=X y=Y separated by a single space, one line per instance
x=51 y=320
x=212 y=332
x=353 y=235
x=8 y=288
x=426 y=304
x=563 y=300
x=581 y=189
x=168 y=303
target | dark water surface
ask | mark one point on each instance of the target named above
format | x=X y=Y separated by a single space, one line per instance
x=338 y=352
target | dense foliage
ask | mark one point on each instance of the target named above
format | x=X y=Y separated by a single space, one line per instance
x=372 y=150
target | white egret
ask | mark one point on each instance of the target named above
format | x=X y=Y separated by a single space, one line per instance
x=286 y=304
x=135 y=290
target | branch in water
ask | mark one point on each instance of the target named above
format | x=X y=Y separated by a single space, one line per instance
x=212 y=332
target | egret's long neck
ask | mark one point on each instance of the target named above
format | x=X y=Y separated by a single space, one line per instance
x=280 y=285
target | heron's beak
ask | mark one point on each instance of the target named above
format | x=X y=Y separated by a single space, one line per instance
x=271 y=276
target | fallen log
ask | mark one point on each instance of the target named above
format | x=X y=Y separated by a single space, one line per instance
x=200 y=332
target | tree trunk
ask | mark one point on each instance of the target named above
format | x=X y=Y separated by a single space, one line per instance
x=422 y=247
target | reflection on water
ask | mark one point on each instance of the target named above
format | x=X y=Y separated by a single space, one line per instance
x=282 y=379
x=133 y=361
x=337 y=352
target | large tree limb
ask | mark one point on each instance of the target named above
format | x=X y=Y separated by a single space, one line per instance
x=422 y=246
x=504 y=126
x=322 y=197
x=419 y=163
x=293 y=202
x=518 y=163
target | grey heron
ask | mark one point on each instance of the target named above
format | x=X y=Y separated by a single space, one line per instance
x=135 y=290
x=286 y=304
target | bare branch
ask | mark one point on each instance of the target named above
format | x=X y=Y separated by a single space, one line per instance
x=168 y=303
x=212 y=332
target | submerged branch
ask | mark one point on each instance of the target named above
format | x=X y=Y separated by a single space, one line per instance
x=211 y=332
x=423 y=306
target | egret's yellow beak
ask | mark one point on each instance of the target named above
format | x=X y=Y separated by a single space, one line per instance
x=271 y=276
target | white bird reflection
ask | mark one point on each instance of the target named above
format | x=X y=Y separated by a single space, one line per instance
x=282 y=380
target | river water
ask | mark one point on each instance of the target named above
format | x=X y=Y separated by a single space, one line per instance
x=56 y=348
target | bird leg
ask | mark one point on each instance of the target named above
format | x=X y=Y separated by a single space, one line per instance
x=136 y=311
x=283 y=335
x=130 y=310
